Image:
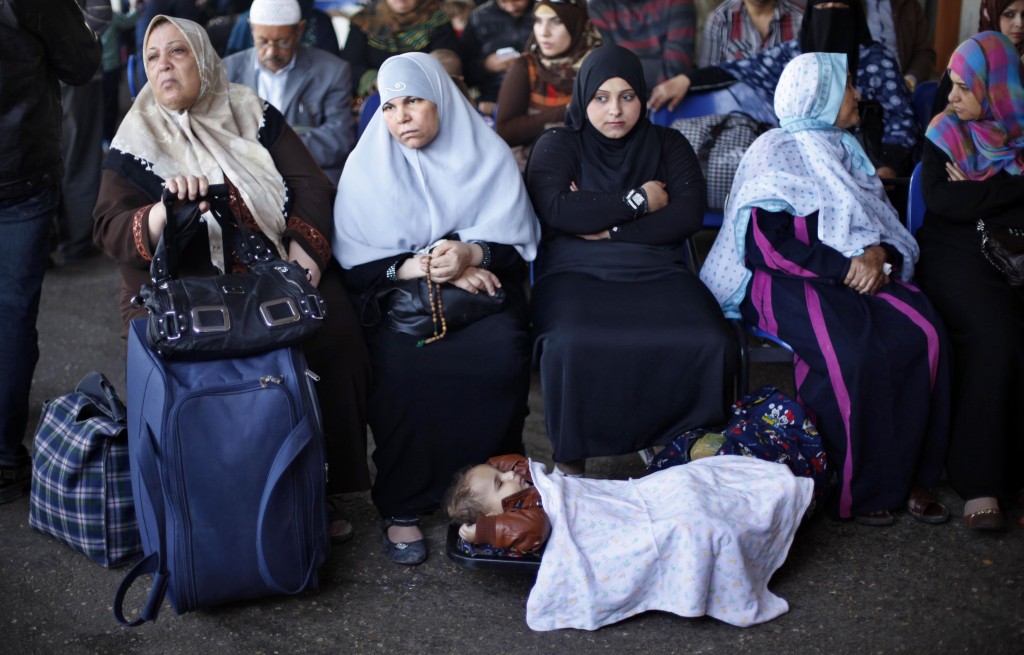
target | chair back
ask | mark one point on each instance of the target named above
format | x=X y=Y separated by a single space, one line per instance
x=924 y=96
x=136 y=75
x=915 y=201
x=720 y=101
x=366 y=111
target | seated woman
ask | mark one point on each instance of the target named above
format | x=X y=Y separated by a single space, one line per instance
x=389 y=27
x=971 y=169
x=805 y=253
x=632 y=348
x=538 y=86
x=190 y=128
x=827 y=27
x=1006 y=16
x=417 y=198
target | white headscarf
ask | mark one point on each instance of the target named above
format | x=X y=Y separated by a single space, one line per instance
x=806 y=165
x=218 y=136
x=394 y=200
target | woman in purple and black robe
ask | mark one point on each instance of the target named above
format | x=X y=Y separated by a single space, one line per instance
x=812 y=252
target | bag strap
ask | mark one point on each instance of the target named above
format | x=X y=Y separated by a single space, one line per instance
x=154 y=562
x=101 y=392
x=297 y=440
x=148 y=564
x=715 y=131
x=182 y=225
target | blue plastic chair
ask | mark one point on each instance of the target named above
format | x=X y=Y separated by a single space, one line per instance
x=133 y=75
x=924 y=97
x=366 y=111
x=915 y=201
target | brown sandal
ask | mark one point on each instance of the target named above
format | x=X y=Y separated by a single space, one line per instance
x=924 y=507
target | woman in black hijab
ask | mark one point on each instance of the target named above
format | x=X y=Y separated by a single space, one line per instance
x=633 y=349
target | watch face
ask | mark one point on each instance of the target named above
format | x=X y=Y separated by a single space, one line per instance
x=636 y=199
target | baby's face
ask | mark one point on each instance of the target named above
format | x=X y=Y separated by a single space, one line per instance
x=492 y=486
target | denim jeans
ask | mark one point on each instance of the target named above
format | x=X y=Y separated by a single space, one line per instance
x=24 y=246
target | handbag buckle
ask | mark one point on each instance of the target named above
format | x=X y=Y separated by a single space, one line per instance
x=279 y=311
x=210 y=318
x=171 y=324
x=317 y=306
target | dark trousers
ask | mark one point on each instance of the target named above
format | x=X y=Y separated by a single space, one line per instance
x=24 y=240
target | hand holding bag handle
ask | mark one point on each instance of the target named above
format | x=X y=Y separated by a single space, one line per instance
x=271 y=305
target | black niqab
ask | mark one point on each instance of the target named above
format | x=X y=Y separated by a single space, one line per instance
x=841 y=30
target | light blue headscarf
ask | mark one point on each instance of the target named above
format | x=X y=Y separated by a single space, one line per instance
x=393 y=199
x=806 y=165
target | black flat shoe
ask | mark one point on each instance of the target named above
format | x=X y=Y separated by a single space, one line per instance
x=875 y=519
x=408 y=553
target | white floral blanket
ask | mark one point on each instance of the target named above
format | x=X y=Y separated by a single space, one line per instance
x=698 y=539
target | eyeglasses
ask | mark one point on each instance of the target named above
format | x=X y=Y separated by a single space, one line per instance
x=574 y=3
x=279 y=44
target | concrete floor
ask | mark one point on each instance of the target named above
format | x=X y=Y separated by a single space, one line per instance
x=909 y=588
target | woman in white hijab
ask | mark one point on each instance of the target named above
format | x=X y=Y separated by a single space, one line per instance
x=811 y=251
x=190 y=128
x=430 y=188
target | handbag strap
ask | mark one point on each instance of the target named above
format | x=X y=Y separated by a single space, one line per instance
x=101 y=392
x=293 y=446
x=183 y=223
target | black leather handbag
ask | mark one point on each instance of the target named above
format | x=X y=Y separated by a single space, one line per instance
x=271 y=305
x=1004 y=248
x=409 y=309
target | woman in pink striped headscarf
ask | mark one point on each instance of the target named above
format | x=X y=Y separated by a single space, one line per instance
x=972 y=170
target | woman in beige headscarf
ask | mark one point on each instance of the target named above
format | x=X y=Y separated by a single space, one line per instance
x=189 y=128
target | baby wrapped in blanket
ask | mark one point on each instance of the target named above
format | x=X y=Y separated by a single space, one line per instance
x=694 y=540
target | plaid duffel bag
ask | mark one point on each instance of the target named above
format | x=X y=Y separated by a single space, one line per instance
x=81 y=482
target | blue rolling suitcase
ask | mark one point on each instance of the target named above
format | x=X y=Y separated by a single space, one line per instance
x=228 y=475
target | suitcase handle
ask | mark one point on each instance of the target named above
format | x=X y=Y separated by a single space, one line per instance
x=300 y=437
x=150 y=563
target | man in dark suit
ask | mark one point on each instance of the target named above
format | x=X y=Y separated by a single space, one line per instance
x=309 y=86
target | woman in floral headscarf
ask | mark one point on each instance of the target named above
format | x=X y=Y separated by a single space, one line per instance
x=538 y=87
x=389 y=27
x=806 y=252
x=971 y=169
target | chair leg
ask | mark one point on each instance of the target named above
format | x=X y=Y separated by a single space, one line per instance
x=742 y=384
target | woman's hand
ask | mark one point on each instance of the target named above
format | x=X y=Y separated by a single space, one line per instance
x=657 y=197
x=468 y=532
x=866 y=271
x=449 y=259
x=475 y=280
x=955 y=173
x=184 y=186
x=597 y=236
x=302 y=258
x=670 y=91
x=412 y=268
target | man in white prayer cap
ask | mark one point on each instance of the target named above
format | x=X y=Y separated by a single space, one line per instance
x=311 y=87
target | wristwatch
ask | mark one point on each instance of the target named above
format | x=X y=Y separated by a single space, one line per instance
x=637 y=201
